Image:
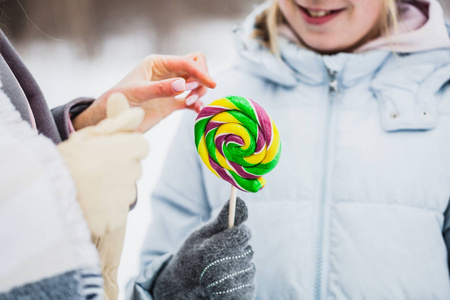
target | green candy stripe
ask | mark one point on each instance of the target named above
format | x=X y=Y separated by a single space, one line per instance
x=249 y=115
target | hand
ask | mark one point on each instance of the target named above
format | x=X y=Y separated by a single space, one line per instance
x=215 y=262
x=104 y=161
x=153 y=86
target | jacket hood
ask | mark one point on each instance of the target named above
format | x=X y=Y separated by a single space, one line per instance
x=300 y=64
x=421 y=28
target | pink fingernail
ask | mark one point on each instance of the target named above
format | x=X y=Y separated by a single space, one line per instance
x=179 y=85
x=191 y=85
x=191 y=99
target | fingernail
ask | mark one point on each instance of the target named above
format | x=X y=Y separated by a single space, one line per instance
x=191 y=85
x=191 y=99
x=179 y=85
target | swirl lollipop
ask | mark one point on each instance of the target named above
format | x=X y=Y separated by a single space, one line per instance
x=237 y=141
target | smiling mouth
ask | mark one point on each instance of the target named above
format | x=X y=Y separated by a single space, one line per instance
x=319 y=13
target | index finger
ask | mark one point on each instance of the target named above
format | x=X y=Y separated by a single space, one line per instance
x=199 y=58
x=189 y=67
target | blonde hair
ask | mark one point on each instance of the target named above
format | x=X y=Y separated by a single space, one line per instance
x=266 y=25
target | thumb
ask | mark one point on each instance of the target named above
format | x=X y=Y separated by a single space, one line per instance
x=120 y=117
x=221 y=222
x=240 y=217
x=164 y=88
x=116 y=104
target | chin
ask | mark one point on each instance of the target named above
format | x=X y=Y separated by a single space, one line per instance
x=326 y=46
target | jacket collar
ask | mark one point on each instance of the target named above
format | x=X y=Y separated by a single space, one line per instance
x=301 y=65
x=311 y=68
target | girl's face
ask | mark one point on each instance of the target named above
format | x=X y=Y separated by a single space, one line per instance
x=330 y=26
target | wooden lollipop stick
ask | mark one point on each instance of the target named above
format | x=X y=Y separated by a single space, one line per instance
x=232 y=211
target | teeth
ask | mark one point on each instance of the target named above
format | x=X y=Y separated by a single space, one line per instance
x=318 y=14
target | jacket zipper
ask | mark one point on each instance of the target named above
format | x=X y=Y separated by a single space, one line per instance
x=333 y=93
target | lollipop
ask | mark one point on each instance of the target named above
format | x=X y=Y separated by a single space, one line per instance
x=237 y=141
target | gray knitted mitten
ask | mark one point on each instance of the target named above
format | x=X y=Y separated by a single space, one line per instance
x=215 y=262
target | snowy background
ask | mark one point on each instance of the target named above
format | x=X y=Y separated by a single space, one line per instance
x=102 y=44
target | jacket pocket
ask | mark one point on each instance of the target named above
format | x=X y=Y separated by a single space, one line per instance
x=412 y=104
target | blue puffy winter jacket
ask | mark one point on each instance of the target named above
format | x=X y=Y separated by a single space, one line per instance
x=357 y=207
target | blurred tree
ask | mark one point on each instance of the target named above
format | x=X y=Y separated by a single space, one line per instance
x=87 y=22
x=446 y=6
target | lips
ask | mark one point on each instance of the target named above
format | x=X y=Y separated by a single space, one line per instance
x=317 y=16
x=320 y=13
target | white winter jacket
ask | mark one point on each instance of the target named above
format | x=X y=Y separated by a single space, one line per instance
x=357 y=207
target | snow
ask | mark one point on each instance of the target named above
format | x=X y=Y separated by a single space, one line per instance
x=63 y=75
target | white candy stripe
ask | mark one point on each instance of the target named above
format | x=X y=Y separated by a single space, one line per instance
x=232 y=178
x=218 y=135
x=272 y=134
x=254 y=110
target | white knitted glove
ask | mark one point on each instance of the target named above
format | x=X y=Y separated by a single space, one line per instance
x=104 y=161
